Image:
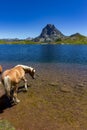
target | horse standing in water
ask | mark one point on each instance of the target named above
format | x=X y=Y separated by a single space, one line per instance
x=10 y=78
x=0 y=69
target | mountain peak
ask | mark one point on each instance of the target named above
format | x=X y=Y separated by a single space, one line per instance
x=49 y=33
x=77 y=35
x=50 y=26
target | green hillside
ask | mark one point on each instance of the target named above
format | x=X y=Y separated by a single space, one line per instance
x=73 y=39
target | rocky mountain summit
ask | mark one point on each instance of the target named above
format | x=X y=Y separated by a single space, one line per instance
x=49 y=33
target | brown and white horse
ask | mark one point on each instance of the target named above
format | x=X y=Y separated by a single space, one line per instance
x=10 y=78
x=0 y=69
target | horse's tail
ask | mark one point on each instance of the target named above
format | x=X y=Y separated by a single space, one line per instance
x=7 y=84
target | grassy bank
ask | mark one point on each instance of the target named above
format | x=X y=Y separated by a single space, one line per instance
x=68 y=40
x=17 y=42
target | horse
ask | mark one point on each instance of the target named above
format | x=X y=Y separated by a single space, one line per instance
x=1 y=69
x=10 y=79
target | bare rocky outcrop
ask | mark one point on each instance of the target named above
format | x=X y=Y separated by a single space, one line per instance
x=49 y=33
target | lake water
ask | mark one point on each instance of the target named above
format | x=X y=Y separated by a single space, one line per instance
x=23 y=54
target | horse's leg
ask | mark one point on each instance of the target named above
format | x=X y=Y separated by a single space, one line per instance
x=25 y=81
x=15 y=98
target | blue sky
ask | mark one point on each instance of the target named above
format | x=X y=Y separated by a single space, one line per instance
x=26 y=18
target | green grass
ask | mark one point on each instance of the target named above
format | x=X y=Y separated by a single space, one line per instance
x=5 y=125
x=17 y=42
x=79 y=39
x=74 y=39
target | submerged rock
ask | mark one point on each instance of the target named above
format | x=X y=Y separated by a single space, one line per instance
x=53 y=84
x=65 y=89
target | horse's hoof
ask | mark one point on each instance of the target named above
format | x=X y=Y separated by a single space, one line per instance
x=26 y=90
x=17 y=101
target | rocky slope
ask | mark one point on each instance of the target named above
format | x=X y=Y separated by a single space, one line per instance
x=49 y=33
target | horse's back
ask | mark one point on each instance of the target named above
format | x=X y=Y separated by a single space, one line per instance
x=19 y=71
x=15 y=74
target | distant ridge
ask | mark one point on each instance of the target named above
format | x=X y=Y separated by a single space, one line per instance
x=77 y=35
x=49 y=34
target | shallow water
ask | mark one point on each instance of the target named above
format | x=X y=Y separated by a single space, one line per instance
x=60 y=84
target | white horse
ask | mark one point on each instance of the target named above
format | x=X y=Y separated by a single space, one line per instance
x=11 y=78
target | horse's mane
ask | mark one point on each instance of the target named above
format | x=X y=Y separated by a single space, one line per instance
x=25 y=67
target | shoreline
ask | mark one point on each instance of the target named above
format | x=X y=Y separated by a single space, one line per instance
x=56 y=99
x=43 y=64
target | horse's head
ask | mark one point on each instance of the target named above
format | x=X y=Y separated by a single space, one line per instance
x=32 y=73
